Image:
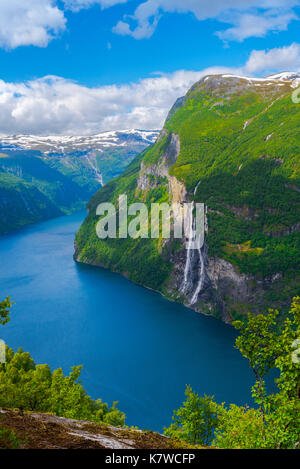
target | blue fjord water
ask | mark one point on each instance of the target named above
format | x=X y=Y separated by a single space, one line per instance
x=136 y=347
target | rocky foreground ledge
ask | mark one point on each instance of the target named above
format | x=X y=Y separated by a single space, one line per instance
x=43 y=431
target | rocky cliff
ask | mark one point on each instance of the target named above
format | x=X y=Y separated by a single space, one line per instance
x=35 y=430
x=233 y=144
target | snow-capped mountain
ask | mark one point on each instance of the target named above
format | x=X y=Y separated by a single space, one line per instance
x=43 y=177
x=285 y=76
x=291 y=79
x=67 y=144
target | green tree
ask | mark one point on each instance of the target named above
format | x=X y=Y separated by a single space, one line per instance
x=28 y=386
x=195 y=421
x=5 y=311
x=239 y=428
x=8 y=439
x=267 y=344
x=258 y=342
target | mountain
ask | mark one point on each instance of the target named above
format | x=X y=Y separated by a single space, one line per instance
x=43 y=177
x=232 y=143
x=36 y=430
x=110 y=152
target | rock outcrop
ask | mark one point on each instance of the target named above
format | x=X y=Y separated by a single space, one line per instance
x=34 y=430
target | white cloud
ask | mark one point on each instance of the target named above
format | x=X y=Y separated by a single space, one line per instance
x=254 y=25
x=36 y=22
x=249 y=17
x=280 y=59
x=144 y=30
x=53 y=105
x=30 y=22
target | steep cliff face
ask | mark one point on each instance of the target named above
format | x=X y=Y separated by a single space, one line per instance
x=233 y=144
x=150 y=175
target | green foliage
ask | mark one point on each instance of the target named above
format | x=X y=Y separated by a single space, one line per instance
x=267 y=344
x=258 y=342
x=154 y=153
x=239 y=428
x=249 y=182
x=8 y=439
x=28 y=386
x=36 y=187
x=141 y=260
x=5 y=306
x=247 y=175
x=195 y=421
x=112 y=162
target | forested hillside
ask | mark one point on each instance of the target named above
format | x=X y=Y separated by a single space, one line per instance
x=232 y=143
x=34 y=189
x=44 y=177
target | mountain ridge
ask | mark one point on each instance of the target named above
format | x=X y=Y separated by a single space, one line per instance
x=64 y=144
x=239 y=154
x=44 y=177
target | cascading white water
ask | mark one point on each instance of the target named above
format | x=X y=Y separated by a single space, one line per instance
x=201 y=278
x=187 y=284
x=191 y=236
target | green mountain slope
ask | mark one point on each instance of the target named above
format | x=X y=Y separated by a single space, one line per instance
x=58 y=174
x=21 y=203
x=35 y=188
x=233 y=144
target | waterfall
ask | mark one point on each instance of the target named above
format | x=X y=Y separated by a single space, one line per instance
x=187 y=284
x=196 y=188
x=201 y=278
x=94 y=166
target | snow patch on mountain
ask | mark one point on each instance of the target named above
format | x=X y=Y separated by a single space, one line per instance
x=279 y=79
x=68 y=144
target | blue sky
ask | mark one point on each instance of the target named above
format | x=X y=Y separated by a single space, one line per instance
x=83 y=66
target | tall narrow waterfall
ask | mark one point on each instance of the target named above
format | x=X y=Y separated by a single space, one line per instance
x=201 y=277
x=187 y=281
x=194 y=265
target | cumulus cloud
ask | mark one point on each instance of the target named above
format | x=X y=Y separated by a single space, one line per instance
x=76 y=5
x=284 y=58
x=249 y=17
x=36 y=22
x=30 y=22
x=54 y=105
x=144 y=30
x=253 y=25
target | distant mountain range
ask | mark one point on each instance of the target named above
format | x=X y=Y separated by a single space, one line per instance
x=58 y=144
x=43 y=177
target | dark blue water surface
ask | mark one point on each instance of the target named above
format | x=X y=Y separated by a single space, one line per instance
x=136 y=347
